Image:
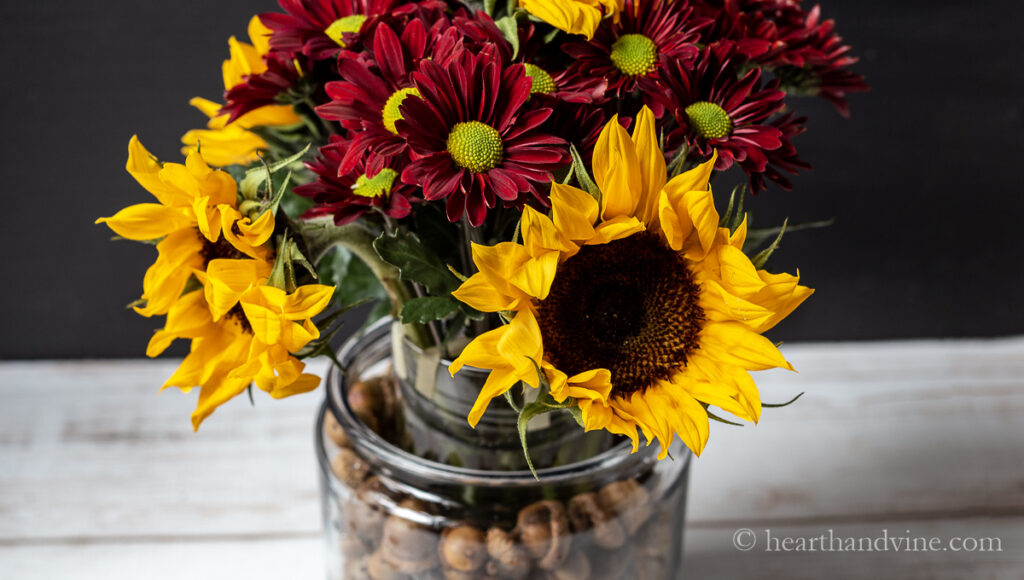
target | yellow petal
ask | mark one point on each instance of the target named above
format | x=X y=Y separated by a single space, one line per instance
x=259 y=35
x=479 y=293
x=540 y=235
x=782 y=293
x=571 y=16
x=616 y=229
x=652 y=165
x=499 y=263
x=268 y=115
x=189 y=317
x=147 y=221
x=307 y=301
x=735 y=344
x=207 y=107
x=684 y=416
x=617 y=171
x=245 y=60
x=482 y=352
x=574 y=212
x=696 y=179
x=522 y=348
x=738 y=274
x=721 y=306
x=594 y=384
x=227 y=280
x=178 y=254
x=499 y=381
x=144 y=167
x=535 y=276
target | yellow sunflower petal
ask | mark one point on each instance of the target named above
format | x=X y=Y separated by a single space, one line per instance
x=227 y=280
x=593 y=384
x=616 y=229
x=307 y=301
x=499 y=381
x=259 y=35
x=522 y=348
x=482 y=352
x=683 y=415
x=177 y=255
x=146 y=221
x=572 y=16
x=781 y=293
x=735 y=344
x=652 y=165
x=738 y=274
x=479 y=293
x=573 y=211
x=535 y=276
x=144 y=167
x=245 y=60
x=617 y=171
x=598 y=415
x=540 y=235
x=189 y=317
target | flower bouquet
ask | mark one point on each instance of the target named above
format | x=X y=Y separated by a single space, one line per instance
x=523 y=192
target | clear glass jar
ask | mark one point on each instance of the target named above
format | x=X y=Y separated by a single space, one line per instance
x=389 y=514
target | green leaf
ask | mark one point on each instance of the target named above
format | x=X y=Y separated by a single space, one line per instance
x=577 y=414
x=429 y=308
x=762 y=257
x=756 y=237
x=780 y=405
x=354 y=280
x=489 y=6
x=579 y=169
x=257 y=176
x=415 y=262
x=510 y=29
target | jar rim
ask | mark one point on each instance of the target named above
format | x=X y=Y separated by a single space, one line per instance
x=376 y=449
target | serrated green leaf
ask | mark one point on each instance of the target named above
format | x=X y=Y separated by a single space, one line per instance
x=579 y=169
x=428 y=308
x=257 y=176
x=510 y=29
x=415 y=262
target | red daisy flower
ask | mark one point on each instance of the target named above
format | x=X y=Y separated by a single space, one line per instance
x=784 y=158
x=367 y=101
x=263 y=89
x=321 y=28
x=717 y=109
x=348 y=195
x=803 y=51
x=628 y=54
x=474 y=139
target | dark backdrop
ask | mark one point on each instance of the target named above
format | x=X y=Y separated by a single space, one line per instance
x=923 y=180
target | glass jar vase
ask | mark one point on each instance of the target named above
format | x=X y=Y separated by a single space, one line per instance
x=390 y=513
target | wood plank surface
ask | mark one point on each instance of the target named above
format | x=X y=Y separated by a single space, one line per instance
x=100 y=477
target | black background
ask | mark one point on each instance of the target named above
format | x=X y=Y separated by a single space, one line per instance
x=924 y=179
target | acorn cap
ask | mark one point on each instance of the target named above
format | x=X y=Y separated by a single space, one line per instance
x=508 y=559
x=349 y=468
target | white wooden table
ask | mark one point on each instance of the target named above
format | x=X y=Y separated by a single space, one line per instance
x=101 y=478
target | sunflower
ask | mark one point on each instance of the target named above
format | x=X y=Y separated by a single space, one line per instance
x=226 y=143
x=637 y=308
x=196 y=206
x=475 y=140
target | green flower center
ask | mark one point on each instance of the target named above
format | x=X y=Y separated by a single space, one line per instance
x=634 y=55
x=475 y=146
x=377 y=186
x=390 y=112
x=339 y=27
x=542 y=81
x=709 y=120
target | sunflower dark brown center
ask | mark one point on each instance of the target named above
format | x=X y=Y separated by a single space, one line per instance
x=630 y=306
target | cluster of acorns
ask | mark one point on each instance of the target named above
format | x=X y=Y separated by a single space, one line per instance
x=607 y=533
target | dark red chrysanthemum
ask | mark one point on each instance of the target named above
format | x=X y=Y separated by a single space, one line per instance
x=475 y=140
x=349 y=195
x=629 y=54
x=263 y=89
x=375 y=84
x=802 y=50
x=321 y=28
x=715 y=108
x=783 y=159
